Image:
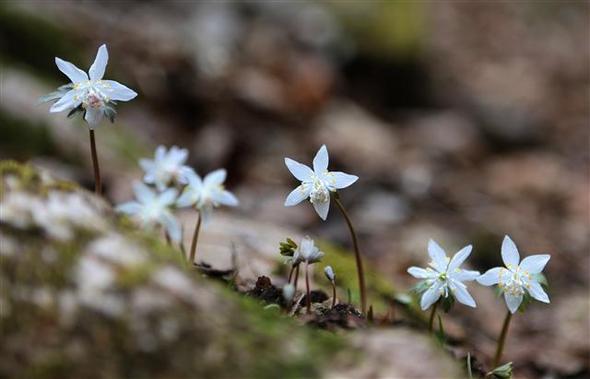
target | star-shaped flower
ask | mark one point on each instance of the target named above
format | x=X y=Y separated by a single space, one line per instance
x=206 y=194
x=166 y=167
x=307 y=252
x=444 y=277
x=317 y=184
x=152 y=209
x=517 y=277
x=89 y=93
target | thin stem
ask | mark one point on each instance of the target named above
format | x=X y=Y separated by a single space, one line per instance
x=97 y=181
x=308 y=297
x=502 y=339
x=291 y=273
x=195 y=239
x=357 y=253
x=168 y=240
x=432 y=313
x=296 y=280
x=333 y=294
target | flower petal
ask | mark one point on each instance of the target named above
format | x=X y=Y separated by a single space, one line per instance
x=338 y=180
x=537 y=291
x=97 y=69
x=188 y=197
x=510 y=254
x=167 y=197
x=465 y=275
x=459 y=258
x=322 y=209
x=130 y=208
x=298 y=195
x=419 y=273
x=117 y=91
x=534 y=264
x=299 y=170
x=172 y=226
x=68 y=101
x=438 y=256
x=71 y=71
x=512 y=302
x=226 y=198
x=93 y=117
x=215 y=178
x=490 y=277
x=430 y=296
x=143 y=193
x=462 y=295
x=320 y=161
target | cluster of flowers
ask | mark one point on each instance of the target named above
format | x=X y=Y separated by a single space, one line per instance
x=444 y=278
x=169 y=183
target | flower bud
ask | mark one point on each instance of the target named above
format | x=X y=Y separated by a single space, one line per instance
x=288 y=292
x=329 y=273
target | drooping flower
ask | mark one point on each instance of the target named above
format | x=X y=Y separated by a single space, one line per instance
x=317 y=184
x=517 y=277
x=89 y=93
x=444 y=277
x=329 y=272
x=166 y=167
x=153 y=209
x=206 y=194
x=307 y=252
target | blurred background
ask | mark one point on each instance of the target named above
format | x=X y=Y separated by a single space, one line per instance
x=465 y=121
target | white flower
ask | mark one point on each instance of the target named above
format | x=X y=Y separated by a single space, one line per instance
x=207 y=193
x=90 y=92
x=167 y=166
x=317 y=183
x=329 y=273
x=288 y=292
x=307 y=252
x=153 y=209
x=444 y=276
x=516 y=278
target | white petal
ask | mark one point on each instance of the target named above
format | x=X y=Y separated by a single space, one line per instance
x=130 y=208
x=490 y=277
x=298 y=195
x=419 y=273
x=534 y=264
x=188 y=197
x=226 y=198
x=172 y=227
x=143 y=193
x=430 y=296
x=465 y=275
x=300 y=171
x=71 y=71
x=146 y=164
x=117 y=91
x=459 y=258
x=439 y=258
x=512 y=302
x=66 y=102
x=510 y=254
x=160 y=152
x=215 y=178
x=93 y=117
x=194 y=180
x=462 y=295
x=338 y=180
x=320 y=161
x=322 y=209
x=167 y=197
x=97 y=69
x=537 y=291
